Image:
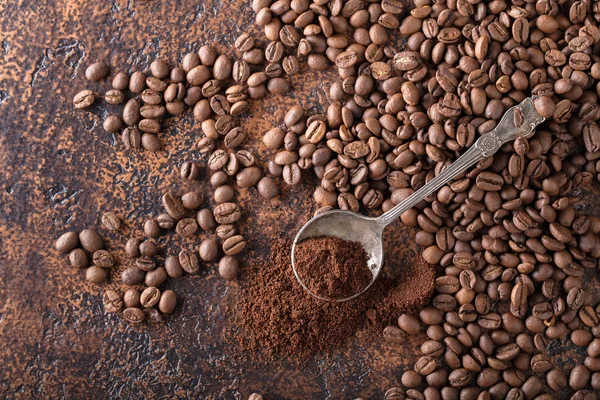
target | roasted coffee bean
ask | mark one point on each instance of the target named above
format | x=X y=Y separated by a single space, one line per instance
x=133 y=276
x=248 y=177
x=112 y=123
x=78 y=258
x=151 y=228
x=96 y=71
x=103 y=259
x=137 y=82
x=206 y=220
x=114 y=97
x=186 y=227
x=113 y=303
x=134 y=315
x=189 y=261
x=131 y=138
x=95 y=274
x=84 y=99
x=227 y=213
x=111 y=221
x=150 y=297
x=120 y=81
x=173 y=267
x=145 y=263
x=234 y=245
x=225 y=231
x=67 y=242
x=208 y=250
x=292 y=174
x=167 y=302
x=148 y=248
x=90 y=240
x=156 y=277
x=228 y=268
x=173 y=206
x=393 y=334
x=489 y=181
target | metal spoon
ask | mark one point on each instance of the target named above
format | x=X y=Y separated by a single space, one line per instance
x=368 y=231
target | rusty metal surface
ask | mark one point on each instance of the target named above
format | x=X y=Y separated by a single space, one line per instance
x=59 y=170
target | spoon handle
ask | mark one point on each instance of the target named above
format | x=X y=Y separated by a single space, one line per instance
x=487 y=145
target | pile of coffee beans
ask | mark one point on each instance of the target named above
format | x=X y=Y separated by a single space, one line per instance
x=86 y=251
x=135 y=307
x=516 y=251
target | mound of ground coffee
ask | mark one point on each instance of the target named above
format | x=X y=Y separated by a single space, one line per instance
x=276 y=314
x=333 y=268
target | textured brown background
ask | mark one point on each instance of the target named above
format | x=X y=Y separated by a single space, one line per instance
x=59 y=170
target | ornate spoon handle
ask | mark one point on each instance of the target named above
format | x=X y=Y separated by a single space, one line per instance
x=487 y=145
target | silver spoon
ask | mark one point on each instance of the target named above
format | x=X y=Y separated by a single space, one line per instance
x=368 y=231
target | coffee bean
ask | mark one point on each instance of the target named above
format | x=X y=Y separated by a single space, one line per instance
x=114 y=97
x=173 y=206
x=228 y=268
x=96 y=71
x=151 y=228
x=489 y=181
x=145 y=263
x=460 y=378
x=227 y=213
x=393 y=334
x=156 y=277
x=90 y=240
x=191 y=200
x=113 y=303
x=78 y=258
x=150 y=297
x=206 y=220
x=248 y=177
x=132 y=276
x=186 y=227
x=409 y=324
x=131 y=138
x=120 y=81
x=425 y=365
x=167 y=302
x=137 y=82
x=148 y=248
x=84 y=99
x=103 y=259
x=189 y=262
x=134 y=315
x=67 y=242
x=208 y=250
x=234 y=245
x=96 y=274
x=173 y=267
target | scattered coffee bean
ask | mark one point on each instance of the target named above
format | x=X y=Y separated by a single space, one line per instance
x=67 y=242
x=90 y=240
x=113 y=303
x=111 y=221
x=131 y=298
x=134 y=315
x=96 y=71
x=96 y=274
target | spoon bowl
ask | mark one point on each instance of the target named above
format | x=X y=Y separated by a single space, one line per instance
x=348 y=226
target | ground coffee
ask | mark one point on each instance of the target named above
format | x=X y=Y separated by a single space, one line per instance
x=333 y=268
x=277 y=315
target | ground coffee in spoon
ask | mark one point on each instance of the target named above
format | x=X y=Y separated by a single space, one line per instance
x=333 y=268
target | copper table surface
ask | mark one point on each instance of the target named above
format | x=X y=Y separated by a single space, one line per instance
x=60 y=171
